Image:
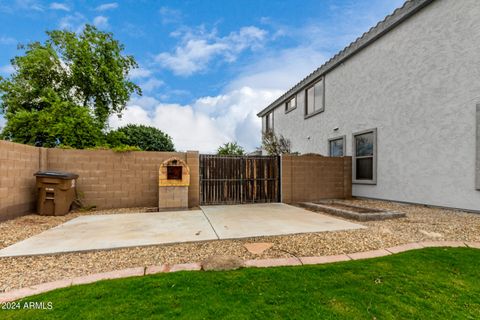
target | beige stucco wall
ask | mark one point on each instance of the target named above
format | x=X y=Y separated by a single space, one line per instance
x=419 y=86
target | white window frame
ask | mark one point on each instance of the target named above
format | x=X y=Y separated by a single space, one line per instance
x=288 y=109
x=344 y=140
x=354 y=157
x=308 y=115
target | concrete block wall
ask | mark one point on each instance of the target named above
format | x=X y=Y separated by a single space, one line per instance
x=173 y=197
x=313 y=177
x=18 y=163
x=107 y=179
x=193 y=162
x=111 y=179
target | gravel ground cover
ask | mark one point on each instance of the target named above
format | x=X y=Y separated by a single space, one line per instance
x=420 y=224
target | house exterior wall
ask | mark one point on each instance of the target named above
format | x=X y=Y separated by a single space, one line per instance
x=418 y=85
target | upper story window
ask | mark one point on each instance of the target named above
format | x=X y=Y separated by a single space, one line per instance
x=365 y=157
x=291 y=104
x=336 y=147
x=269 y=122
x=315 y=98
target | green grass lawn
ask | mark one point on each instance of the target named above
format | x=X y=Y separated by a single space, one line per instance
x=436 y=283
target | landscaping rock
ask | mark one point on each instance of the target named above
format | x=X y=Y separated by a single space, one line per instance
x=431 y=234
x=258 y=247
x=453 y=225
x=219 y=263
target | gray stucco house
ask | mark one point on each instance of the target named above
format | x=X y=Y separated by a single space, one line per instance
x=404 y=101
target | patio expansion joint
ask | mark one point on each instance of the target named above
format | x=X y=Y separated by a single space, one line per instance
x=210 y=223
x=259 y=263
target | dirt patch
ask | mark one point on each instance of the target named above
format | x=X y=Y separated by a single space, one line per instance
x=420 y=224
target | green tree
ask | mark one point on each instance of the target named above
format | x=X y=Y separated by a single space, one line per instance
x=70 y=80
x=230 y=149
x=143 y=137
x=61 y=123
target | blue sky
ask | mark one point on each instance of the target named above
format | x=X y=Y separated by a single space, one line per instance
x=206 y=67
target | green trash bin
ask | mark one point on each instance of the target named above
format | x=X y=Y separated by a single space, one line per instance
x=56 y=192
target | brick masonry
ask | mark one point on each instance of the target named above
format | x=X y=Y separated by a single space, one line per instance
x=313 y=177
x=107 y=179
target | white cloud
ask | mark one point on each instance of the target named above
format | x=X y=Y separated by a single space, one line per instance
x=197 y=49
x=190 y=130
x=205 y=124
x=77 y=21
x=74 y=22
x=6 y=70
x=139 y=73
x=281 y=69
x=7 y=40
x=59 y=6
x=210 y=121
x=107 y=6
x=151 y=84
x=100 y=22
x=145 y=102
x=134 y=114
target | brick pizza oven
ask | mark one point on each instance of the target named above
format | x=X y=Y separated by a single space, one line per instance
x=173 y=181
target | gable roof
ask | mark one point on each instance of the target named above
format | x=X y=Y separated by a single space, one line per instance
x=409 y=8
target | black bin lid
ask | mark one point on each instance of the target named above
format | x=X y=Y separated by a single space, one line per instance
x=56 y=174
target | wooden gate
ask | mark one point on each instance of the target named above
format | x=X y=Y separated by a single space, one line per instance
x=239 y=179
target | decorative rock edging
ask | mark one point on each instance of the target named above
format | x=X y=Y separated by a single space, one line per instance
x=260 y=263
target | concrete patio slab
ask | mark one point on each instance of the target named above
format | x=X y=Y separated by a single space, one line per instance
x=269 y=219
x=97 y=232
